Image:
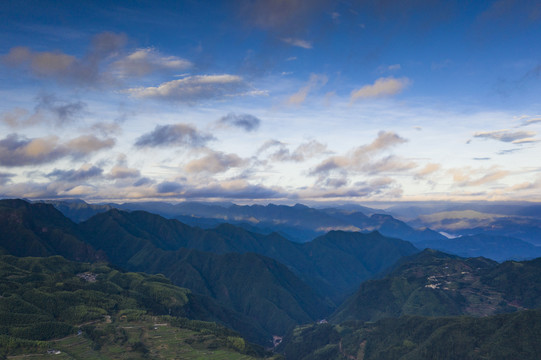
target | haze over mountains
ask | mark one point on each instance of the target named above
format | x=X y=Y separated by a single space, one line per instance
x=502 y=233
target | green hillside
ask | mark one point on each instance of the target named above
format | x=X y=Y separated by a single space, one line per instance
x=432 y=283
x=40 y=230
x=506 y=336
x=333 y=264
x=42 y=299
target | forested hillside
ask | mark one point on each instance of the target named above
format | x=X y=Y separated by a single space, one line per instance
x=432 y=283
x=498 y=337
x=49 y=298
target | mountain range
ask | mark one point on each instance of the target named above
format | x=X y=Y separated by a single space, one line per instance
x=270 y=281
x=382 y=296
x=513 y=236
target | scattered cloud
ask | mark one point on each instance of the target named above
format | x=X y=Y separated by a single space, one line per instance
x=49 y=109
x=18 y=150
x=5 y=177
x=282 y=16
x=148 y=60
x=509 y=136
x=532 y=121
x=428 y=170
x=193 y=89
x=168 y=187
x=234 y=189
x=389 y=68
x=62 y=67
x=142 y=182
x=388 y=164
x=177 y=135
x=214 y=162
x=362 y=158
x=338 y=189
x=304 y=151
x=85 y=172
x=63 y=111
x=106 y=129
x=87 y=144
x=246 y=122
x=382 y=87
x=316 y=81
x=122 y=171
x=105 y=62
x=475 y=177
x=298 y=42
x=508 y=151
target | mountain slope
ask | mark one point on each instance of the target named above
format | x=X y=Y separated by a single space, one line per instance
x=40 y=230
x=333 y=264
x=498 y=337
x=435 y=284
x=46 y=298
x=256 y=286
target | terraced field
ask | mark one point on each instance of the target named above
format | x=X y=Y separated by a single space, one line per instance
x=147 y=338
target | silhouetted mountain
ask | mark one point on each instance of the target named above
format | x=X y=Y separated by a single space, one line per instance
x=40 y=230
x=436 y=284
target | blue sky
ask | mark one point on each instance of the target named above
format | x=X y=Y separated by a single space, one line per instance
x=270 y=101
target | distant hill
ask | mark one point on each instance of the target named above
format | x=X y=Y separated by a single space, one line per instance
x=499 y=248
x=521 y=222
x=432 y=283
x=299 y=223
x=497 y=337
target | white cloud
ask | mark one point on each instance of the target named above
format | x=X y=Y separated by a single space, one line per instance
x=18 y=150
x=144 y=61
x=315 y=81
x=193 y=89
x=505 y=135
x=298 y=42
x=382 y=87
x=363 y=158
x=214 y=162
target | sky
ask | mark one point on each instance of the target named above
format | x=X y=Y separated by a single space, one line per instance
x=262 y=101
